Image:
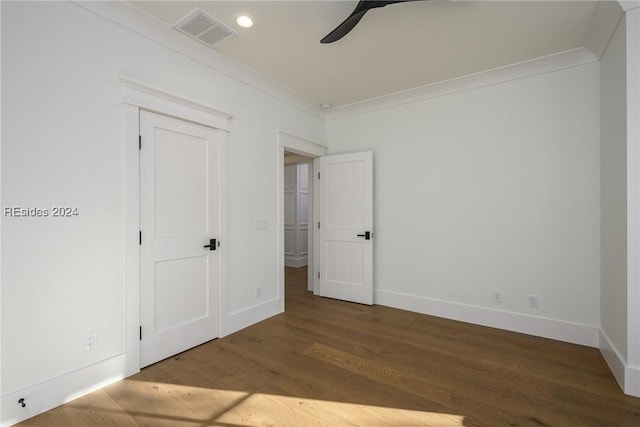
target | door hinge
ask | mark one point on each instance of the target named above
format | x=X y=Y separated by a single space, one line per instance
x=318 y=274
x=139 y=142
x=318 y=225
x=140 y=235
x=318 y=175
x=140 y=333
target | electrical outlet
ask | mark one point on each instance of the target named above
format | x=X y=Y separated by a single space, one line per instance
x=90 y=341
x=261 y=224
x=258 y=292
x=497 y=296
x=534 y=301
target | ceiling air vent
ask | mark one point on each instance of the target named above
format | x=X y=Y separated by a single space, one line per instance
x=204 y=28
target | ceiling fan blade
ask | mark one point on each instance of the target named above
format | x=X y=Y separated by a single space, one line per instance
x=348 y=24
x=343 y=29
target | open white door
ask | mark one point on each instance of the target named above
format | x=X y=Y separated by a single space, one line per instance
x=179 y=220
x=346 y=227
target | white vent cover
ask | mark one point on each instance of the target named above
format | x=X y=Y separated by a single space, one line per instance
x=204 y=28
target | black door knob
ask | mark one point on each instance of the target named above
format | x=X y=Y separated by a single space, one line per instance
x=366 y=235
x=212 y=245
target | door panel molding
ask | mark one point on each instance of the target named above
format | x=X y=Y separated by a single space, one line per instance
x=296 y=213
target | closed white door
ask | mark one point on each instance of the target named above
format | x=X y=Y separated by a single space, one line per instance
x=179 y=216
x=346 y=227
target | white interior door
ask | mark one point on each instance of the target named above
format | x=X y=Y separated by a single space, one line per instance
x=179 y=214
x=346 y=227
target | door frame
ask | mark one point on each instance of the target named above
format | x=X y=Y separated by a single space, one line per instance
x=135 y=97
x=286 y=141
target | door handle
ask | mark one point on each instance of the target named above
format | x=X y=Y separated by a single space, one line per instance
x=212 y=245
x=366 y=235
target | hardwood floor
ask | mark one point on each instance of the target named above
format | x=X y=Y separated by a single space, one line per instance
x=331 y=363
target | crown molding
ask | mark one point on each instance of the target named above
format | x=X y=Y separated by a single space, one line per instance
x=628 y=4
x=546 y=64
x=603 y=26
x=135 y=20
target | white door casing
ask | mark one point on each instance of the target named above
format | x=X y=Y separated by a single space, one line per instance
x=179 y=214
x=346 y=227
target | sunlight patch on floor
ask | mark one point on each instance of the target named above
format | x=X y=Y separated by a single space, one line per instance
x=260 y=409
x=164 y=404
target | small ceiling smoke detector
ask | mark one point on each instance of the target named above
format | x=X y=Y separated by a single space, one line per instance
x=244 y=20
x=326 y=106
x=204 y=28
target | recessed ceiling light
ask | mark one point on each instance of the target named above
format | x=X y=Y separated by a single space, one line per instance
x=326 y=106
x=244 y=21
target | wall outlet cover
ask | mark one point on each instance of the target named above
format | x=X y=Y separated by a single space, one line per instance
x=90 y=341
x=497 y=296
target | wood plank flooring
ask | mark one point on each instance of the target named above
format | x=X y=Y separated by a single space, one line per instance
x=331 y=363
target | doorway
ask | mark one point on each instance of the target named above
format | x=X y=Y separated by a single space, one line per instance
x=298 y=204
x=307 y=152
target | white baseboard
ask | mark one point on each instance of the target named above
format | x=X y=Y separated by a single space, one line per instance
x=574 y=333
x=49 y=394
x=246 y=317
x=613 y=358
x=628 y=377
x=632 y=380
x=295 y=262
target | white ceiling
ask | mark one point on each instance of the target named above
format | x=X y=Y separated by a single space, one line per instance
x=395 y=48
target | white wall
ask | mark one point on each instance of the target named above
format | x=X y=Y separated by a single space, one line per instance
x=613 y=152
x=62 y=144
x=495 y=187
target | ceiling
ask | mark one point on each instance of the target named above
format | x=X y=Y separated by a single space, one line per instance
x=395 y=48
